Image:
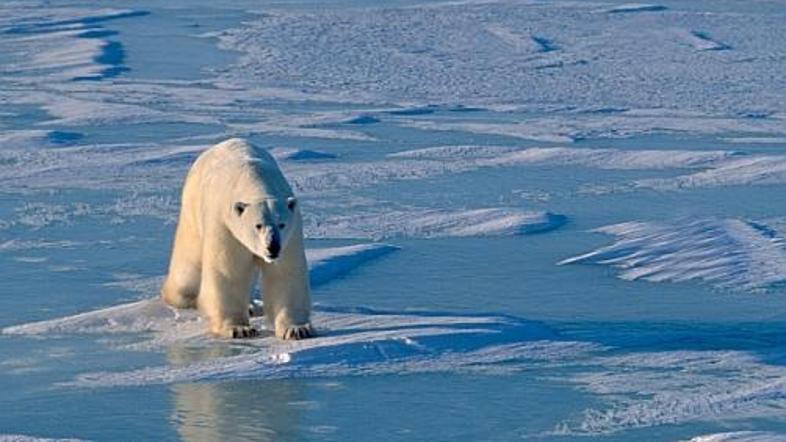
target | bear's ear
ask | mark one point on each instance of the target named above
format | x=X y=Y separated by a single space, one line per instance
x=291 y=202
x=240 y=207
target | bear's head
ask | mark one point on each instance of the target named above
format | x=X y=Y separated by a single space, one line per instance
x=264 y=226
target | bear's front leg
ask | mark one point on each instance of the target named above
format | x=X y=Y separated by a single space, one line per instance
x=224 y=296
x=287 y=295
x=225 y=307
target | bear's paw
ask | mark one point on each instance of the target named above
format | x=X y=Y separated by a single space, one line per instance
x=237 y=331
x=244 y=331
x=297 y=332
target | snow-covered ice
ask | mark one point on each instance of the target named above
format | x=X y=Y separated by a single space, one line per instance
x=485 y=141
x=646 y=389
x=728 y=253
x=24 y=438
x=741 y=436
x=151 y=315
x=420 y=223
x=360 y=343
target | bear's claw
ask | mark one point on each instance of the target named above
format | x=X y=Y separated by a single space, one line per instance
x=244 y=331
x=297 y=332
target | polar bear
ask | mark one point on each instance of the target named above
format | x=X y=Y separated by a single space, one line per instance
x=239 y=218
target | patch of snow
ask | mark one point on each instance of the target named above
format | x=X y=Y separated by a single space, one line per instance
x=23 y=438
x=550 y=133
x=741 y=436
x=613 y=159
x=434 y=223
x=701 y=41
x=745 y=170
x=562 y=126
x=726 y=253
x=455 y=347
x=81 y=112
x=281 y=129
x=31 y=259
x=646 y=389
x=60 y=44
x=482 y=53
x=13 y=245
x=756 y=140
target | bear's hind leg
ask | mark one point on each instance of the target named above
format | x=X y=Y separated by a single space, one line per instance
x=181 y=288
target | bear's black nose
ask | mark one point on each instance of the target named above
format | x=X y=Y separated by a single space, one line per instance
x=274 y=248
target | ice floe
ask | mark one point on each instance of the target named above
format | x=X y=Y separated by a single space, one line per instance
x=293 y=130
x=25 y=245
x=63 y=44
x=119 y=166
x=24 y=438
x=645 y=389
x=492 y=53
x=756 y=140
x=150 y=315
x=741 y=436
x=745 y=170
x=567 y=126
x=366 y=342
x=726 y=253
x=488 y=156
x=355 y=341
x=433 y=223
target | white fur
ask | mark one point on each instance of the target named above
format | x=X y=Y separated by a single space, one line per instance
x=235 y=201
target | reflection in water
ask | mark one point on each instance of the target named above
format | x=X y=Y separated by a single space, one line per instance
x=237 y=410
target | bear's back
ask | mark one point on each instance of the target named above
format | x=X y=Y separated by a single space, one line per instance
x=234 y=153
x=237 y=162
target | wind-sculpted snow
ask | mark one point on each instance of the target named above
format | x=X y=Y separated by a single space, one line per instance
x=519 y=52
x=747 y=170
x=726 y=253
x=119 y=166
x=22 y=245
x=425 y=223
x=675 y=387
x=24 y=438
x=569 y=125
x=756 y=140
x=619 y=159
x=741 y=436
x=317 y=125
x=60 y=43
x=367 y=342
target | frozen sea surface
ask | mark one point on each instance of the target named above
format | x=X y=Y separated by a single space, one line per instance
x=524 y=219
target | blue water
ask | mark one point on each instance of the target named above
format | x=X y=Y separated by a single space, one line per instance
x=515 y=276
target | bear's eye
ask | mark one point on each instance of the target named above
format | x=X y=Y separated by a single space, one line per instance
x=281 y=226
x=240 y=207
